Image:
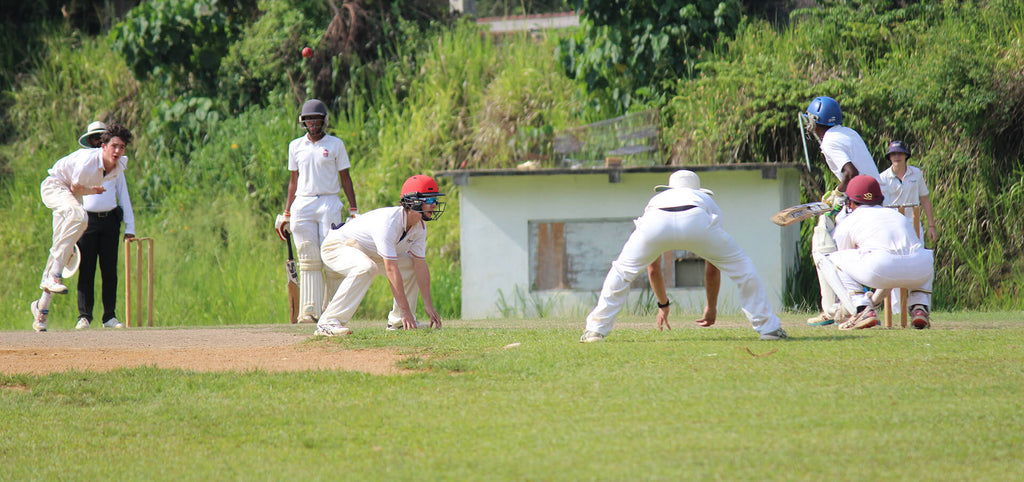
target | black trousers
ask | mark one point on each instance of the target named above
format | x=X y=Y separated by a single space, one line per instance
x=102 y=240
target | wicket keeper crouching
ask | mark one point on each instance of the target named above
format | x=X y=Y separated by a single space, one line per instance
x=877 y=247
x=388 y=241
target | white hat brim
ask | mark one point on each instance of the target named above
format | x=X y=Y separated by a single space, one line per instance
x=665 y=188
x=81 y=140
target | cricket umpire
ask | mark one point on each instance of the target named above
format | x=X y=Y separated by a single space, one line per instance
x=102 y=239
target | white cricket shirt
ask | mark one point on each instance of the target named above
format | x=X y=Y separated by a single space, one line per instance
x=907 y=191
x=841 y=145
x=318 y=164
x=382 y=233
x=85 y=168
x=684 y=196
x=116 y=194
x=877 y=228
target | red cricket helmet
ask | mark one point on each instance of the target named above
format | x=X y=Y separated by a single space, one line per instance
x=419 y=190
x=864 y=189
x=420 y=185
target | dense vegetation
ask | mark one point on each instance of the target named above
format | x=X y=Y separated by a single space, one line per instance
x=414 y=89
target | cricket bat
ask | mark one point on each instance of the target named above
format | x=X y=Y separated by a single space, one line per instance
x=800 y=212
x=293 y=281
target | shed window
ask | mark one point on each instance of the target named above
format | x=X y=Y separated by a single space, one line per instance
x=577 y=255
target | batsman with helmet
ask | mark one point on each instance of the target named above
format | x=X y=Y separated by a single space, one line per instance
x=388 y=241
x=319 y=168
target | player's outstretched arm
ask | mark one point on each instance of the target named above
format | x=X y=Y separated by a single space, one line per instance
x=394 y=275
x=933 y=226
x=423 y=280
x=658 y=287
x=712 y=283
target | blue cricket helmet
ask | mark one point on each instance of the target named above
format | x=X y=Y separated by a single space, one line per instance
x=825 y=111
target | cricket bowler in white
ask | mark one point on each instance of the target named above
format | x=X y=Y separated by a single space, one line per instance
x=319 y=168
x=847 y=156
x=391 y=242
x=78 y=174
x=681 y=216
x=878 y=248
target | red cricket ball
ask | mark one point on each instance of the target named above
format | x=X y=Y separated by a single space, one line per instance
x=307 y=52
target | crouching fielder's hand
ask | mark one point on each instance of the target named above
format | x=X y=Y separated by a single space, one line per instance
x=663 y=319
x=435 y=319
x=710 y=315
x=282 y=225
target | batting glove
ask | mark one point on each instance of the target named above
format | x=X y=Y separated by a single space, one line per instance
x=352 y=214
x=834 y=198
x=281 y=225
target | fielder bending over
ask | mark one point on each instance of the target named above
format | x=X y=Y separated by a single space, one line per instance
x=682 y=216
x=387 y=241
x=317 y=161
x=78 y=174
x=877 y=247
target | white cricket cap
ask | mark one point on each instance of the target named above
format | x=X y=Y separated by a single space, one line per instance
x=684 y=178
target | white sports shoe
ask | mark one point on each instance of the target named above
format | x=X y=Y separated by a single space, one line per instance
x=82 y=324
x=54 y=284
x=331 y=330
x=591 y=337
x=38 y=317
x=113 y=323
x=779 y=334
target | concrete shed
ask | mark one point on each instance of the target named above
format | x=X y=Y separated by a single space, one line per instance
x=539 y=242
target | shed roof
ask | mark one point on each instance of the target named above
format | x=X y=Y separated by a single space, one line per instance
x=768 y=171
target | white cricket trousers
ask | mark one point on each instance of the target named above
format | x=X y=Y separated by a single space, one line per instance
x=659 y=231
x=882 y=269
x=69 y=223
x=311 y=220
x=358 y=271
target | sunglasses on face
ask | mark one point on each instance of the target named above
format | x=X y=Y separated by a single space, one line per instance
x=430 y=200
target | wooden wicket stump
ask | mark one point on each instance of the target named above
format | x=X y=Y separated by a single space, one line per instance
x=916 y=220
x=128 y=279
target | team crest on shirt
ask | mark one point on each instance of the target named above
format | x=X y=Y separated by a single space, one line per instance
x=326 y=152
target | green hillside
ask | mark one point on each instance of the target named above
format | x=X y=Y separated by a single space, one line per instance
x=211 y=90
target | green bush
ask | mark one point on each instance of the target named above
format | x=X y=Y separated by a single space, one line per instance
x=180 y=42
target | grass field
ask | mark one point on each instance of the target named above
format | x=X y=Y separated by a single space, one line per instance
x=941 y=404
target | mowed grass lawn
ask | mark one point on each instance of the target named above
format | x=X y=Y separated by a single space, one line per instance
x=940 y=404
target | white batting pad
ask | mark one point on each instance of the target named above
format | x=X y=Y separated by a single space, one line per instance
x=311 y=280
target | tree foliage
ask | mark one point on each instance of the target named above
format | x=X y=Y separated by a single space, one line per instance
x=180 y=41
x=629 y=48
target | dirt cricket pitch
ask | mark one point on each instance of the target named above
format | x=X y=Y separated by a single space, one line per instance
x=235 y=348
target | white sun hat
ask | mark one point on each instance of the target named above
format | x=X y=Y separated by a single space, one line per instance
x=684 y=178
x=94 y=128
